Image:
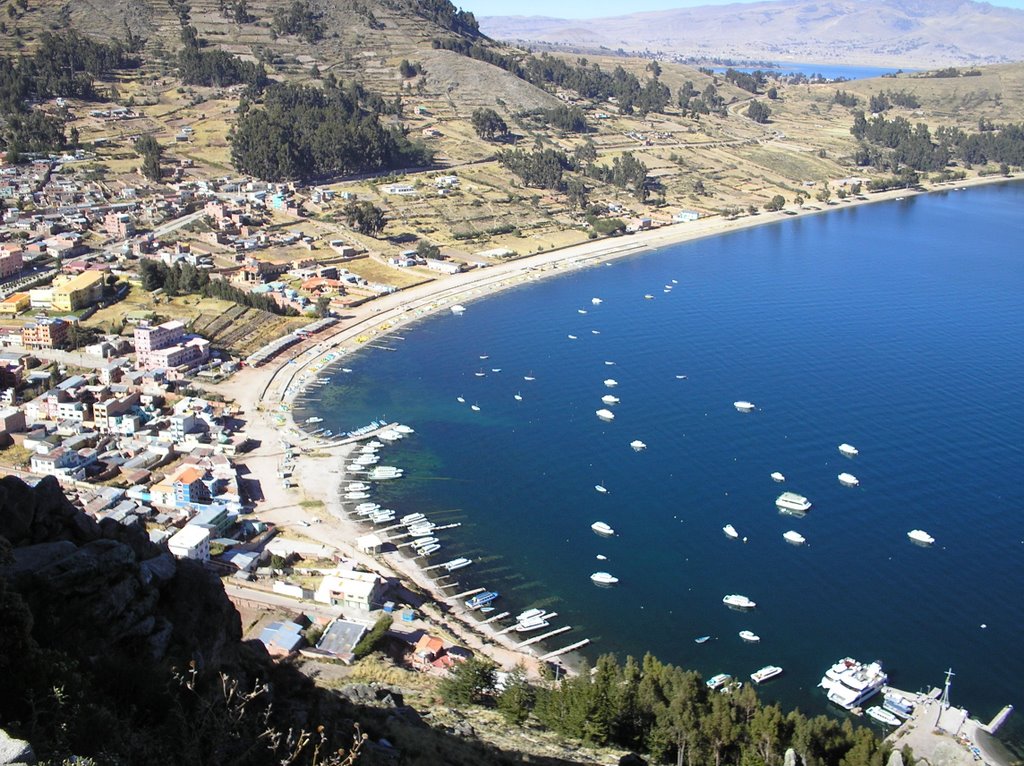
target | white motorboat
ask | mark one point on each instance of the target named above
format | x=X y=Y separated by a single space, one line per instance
x=718 y=681
x=609 y=399
x=920 y=536
x=680 y=377
x=610 y=364
x=601 y=488
x=738 y=601
x=777 y=476
x=794 y=537
x=601 y=528
x=517 y=396
x=749 y=636
x=480 y=373
x=412 y=518
x=529 y=614
x=638 y=445
x=596 y=301
x=404 y=429
x=314 y=419
x=419 y=542
x=601 y=557
x=428 y=549
x=611 y=383
x=495 y=369
x=765 y=673
x=475 y=407
x=356 y=495
x=791 y=501
x=531 y=623
x=529 y=377
x=572 y=337
x=458 y=308
x=581 y=311
x=648 y=296
x=882 y=715
x=460 y=399
x=367 y=507
x=485 y=356
x=605 y=414
x=896 y=703
x=603 y=578
x=849 y=450
x=458 y=563
x=730 y=531
x=357 y=486
x=743 y=406
x=848 y=682
x=848 y=480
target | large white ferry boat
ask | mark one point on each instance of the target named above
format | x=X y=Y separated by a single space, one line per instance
x=791 y=501
x=848 y=683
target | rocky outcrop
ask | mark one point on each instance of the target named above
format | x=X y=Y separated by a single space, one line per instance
x=97 y=585
x=14 y=752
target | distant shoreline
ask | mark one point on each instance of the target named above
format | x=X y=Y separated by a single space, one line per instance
x=284 y=380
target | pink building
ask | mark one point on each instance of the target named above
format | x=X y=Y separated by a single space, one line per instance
x=11 y=260
x=167 y=346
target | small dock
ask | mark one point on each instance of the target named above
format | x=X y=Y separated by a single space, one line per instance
x=564 y=650
x=549 y=634
x=466 y=593
x=489 y=620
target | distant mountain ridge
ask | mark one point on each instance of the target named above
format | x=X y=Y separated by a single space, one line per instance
x=908 y=33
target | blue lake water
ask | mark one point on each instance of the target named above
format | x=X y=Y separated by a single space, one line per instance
x=896 y=327
x=828 y=71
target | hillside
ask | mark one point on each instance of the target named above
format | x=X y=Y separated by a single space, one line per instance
x=896 y=33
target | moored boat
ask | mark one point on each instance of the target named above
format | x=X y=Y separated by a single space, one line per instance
x=601 y=528
x=637 y=445
x=458 y=308
x=849 y=450
x=605 y=414
x=848 y=480
x=749 y=636
x=604 y=578
x=777 y=476
x=794 y=537
x=609 y=399
x=738 y=601
x=730 y=531
x=601 y=488
x=765 y=673
x=611 y=382
x=791 y=501
x=481 y=599
x=743 y=406
x=848 y=682
x=882 y=715
x=718 y=681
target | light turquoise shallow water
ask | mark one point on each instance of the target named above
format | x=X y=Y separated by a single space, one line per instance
x=895 y=327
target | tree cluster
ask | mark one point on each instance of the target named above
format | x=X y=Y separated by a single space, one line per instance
x=563 y=118
x=185 y=279
x=669 y=714
x=197 y=66
x=885 y=100
x=625 y=172
x=708 y=101
x=446 y=15
x=753 y=82
x=303 y=133
x=365 y=217
x=994 y=143
x=407 y=69
x=298 y=19
x=237 y=11
x=845 y=99
x=488 y=123
x=907 y=145
x=542 y=169
x=758 y=111
x=149 y=149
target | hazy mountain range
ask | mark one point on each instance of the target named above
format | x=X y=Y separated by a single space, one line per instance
x=908 y=33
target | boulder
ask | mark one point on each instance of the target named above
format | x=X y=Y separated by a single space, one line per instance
x=15 y=751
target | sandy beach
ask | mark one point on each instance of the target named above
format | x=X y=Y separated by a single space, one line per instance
x=313 y=510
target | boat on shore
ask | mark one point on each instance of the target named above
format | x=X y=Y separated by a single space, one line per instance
x=848 y=480
x=738 y=601
x=730 y=531
x=481 y=599
x=717 y=681
x=920 y=536
x=794 y=537
x=848 y=682
x=791 y=501
x=604 y=578
x=749 y=636
x=743 y=406
x=848 y=449
x=765 y=673
x=458 y=308
x=882 y=715
x=601 y=528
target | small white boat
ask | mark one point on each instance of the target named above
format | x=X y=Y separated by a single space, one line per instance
x=765 y=673
x=529 y=377
x=794 y=537
x=458 y=308
x=743 y=406
x=777 y=476
x=603 y=578
x=717 y=681
x=648 y=296
x=791 y=501
x=605 y=414
x=485 y=356
x=572 y=337
x=581 y=311
x=882 y=715
x=849 y=450
x=730 y=531
x=356 y=495
x=749 y=636
x=609 y=399
x=518 y=397
x=848 y=480
x=611 y=383
x=595 y=332
x=601 y=557
x=427 y=550
x=495 y=369
x=474 y=407
x=357 y=486
x=530 y=614
x=610 y=364
x=637 y=445
x=601 y=528
x=601 y=488
x=367 y=507
x=680 y=377
x=920 y=536
x=534 y=623
x=460 y=399
x=596 y=301
x=314 y=419
x=738 y=601
x=480 y=374
x=458 y=563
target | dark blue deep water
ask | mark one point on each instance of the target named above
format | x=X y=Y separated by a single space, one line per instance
x=896 y=327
